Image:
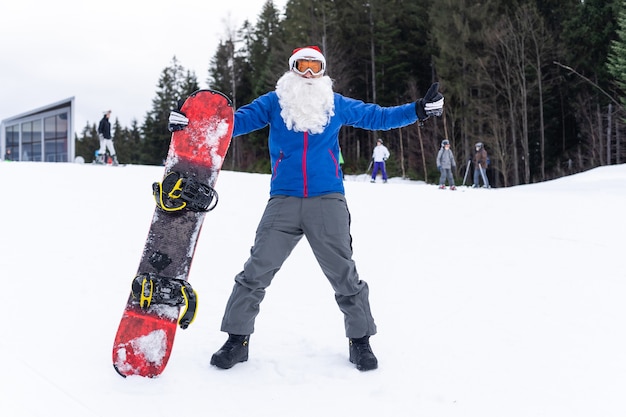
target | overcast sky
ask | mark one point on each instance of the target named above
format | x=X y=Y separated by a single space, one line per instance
x=109 y=54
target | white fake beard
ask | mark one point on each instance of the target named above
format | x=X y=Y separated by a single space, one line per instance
x=307 y=103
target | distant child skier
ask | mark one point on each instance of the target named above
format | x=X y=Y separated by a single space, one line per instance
x=446 y=165
x=380 y=156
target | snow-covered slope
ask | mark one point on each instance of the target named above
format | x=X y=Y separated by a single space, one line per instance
x=489 y=303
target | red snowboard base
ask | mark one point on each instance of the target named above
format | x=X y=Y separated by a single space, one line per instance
x=143 y=345
x=145 y=337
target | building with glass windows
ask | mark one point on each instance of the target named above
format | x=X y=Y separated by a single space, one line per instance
x=45 y=134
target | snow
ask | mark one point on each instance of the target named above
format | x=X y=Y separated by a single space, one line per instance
x=151 y=346
x=489 y=303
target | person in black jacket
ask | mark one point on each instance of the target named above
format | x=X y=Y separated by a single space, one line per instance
x=106 y=140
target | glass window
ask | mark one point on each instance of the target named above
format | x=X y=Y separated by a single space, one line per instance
x=12 y=135
x=55 y=138
x=31 y=141
x=44 y=136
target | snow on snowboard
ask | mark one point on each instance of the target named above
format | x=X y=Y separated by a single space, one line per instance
x=160 y=290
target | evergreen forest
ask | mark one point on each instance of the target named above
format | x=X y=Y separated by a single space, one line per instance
x=541 y=83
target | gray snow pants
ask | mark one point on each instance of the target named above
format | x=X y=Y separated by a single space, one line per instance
x=446 y=173
x=325 y=221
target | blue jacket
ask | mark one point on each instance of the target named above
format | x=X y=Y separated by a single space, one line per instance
x=306 y=164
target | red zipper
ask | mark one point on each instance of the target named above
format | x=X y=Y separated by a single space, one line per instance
x=332 y=156
x=280 y=158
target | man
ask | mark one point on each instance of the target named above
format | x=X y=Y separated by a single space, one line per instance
x=481 y=161
x=379 y=156
x=307 y=196
x=106 y=141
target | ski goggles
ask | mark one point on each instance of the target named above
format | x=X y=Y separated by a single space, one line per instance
x=315 y=67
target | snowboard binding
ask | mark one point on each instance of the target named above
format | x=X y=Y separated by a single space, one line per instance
x=151 y=289
x=179 y=191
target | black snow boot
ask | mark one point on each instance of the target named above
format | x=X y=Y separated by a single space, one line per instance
x=235 y=350
x=361 y=354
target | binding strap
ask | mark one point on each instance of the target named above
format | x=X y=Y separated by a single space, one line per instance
x=179 y=191
x=151 y=289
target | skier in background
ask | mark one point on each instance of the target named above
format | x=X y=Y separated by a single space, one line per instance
x=380 y=156
x=305 y=116
x=481 y=161
x=106 y=140
x=446 y=165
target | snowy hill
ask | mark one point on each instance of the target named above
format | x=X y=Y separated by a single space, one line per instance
x=489 y=303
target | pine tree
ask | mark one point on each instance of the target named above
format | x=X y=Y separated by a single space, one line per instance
x=88 y=143
x=174 y=85
x=617 y=56
x=458 y=28
x=587 y=37
x=267 y=54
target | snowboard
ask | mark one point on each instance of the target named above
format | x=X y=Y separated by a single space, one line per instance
x=160 y=290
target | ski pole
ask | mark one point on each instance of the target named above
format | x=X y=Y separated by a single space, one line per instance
x=466 y=170
x=482 y=173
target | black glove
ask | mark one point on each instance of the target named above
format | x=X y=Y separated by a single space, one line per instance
x=177 y=121
x=431 y=104
x=438 y=167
